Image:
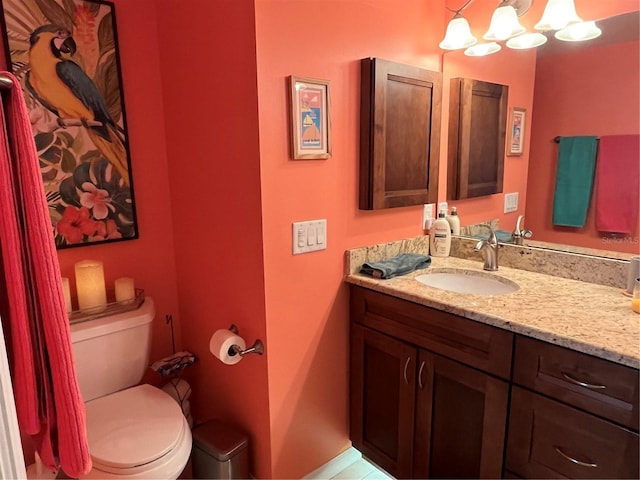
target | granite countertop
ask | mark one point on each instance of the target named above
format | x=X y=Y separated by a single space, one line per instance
x=589 y=318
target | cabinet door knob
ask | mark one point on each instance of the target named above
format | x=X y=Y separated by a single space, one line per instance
x=406 y=365
x=573 y=460
x=420 y=375
x=582 y=384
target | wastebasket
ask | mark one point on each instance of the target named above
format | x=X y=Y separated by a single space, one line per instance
x=220 y=451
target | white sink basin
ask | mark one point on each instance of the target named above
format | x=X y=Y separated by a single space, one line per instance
x=467 y=281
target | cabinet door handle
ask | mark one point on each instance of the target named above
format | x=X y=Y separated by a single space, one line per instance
x=582 y=384
x=573 y=460
x=420 y=375
x=406 y=365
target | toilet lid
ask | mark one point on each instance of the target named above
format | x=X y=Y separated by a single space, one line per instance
x=132 y=427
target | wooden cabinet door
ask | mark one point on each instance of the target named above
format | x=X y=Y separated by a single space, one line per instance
x=460 y=420
x=400 y=112
x=548 y=439
x=382 y=399
x=477 y=126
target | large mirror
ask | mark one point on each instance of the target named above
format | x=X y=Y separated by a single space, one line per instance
x=601 y=75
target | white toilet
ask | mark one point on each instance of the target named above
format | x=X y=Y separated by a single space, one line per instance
x=134 y=431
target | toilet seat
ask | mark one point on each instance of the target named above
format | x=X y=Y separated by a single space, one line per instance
x=137 y=432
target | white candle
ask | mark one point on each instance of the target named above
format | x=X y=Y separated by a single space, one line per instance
x=125 y=289
x=67 y=293
x=90 y=284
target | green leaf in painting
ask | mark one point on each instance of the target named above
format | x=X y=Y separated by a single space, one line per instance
x=107 y=83
x=56 y=14
x=68 y=161
x=49 y=174
x=43 y=140
x=52 y=155
x=67 y=138
x=69 y=6
x=93 y=7
x=105 y=35
x=89 y=156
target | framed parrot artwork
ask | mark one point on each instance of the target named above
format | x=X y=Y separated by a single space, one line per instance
x=65 y=55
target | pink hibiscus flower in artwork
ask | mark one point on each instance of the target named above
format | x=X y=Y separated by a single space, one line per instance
x=75 y=223
x=97 y=199
x=107 y=230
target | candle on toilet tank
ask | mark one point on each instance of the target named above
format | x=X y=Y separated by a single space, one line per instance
x=67 y=293
x=125 y=289
x=90 y=284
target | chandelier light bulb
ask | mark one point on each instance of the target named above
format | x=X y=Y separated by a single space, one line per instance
x=482 y=49
x=527 y=40
x=579 y=32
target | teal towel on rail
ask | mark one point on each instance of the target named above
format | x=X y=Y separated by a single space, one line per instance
x=574 y=180
x=398 y=265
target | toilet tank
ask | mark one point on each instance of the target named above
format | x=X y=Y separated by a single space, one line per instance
x=112 y=353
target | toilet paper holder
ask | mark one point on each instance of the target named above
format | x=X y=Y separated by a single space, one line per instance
x=257 y=347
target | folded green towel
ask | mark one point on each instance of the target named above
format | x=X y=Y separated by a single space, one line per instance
x=501 y=235
x=574 y=180
x=398 y=265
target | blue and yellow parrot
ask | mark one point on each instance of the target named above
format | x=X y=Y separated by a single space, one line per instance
x=61 y=86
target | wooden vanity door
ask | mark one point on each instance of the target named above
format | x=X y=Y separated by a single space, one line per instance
x=382 y=397
x=460 y=420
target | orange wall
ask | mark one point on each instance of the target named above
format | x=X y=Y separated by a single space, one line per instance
x=208 y=64
x=612 y=90
x=306 y=301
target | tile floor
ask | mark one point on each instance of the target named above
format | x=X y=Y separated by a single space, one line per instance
x=361 y=470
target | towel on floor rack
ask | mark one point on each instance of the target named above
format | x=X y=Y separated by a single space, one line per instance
x=574 y=180
x=617 y=184
x=48 y=399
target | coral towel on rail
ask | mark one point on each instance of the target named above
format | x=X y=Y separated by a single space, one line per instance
x=48 y=400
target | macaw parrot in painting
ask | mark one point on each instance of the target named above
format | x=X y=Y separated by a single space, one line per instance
x=61 y=86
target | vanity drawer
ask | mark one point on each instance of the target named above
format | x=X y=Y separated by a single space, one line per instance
x=473 y=343
x=598 y=386
x=548 y=439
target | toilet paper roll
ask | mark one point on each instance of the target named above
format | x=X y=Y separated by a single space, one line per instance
x=221 y=343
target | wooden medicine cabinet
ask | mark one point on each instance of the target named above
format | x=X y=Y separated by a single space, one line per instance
x=477 y=126
x=400 y=114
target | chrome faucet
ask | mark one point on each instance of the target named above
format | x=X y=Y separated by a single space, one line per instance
x=489 y=250
x=519 y=233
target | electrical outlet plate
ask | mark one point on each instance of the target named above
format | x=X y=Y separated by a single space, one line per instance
x=442 y=206
x=427 y=215
x=309 y=236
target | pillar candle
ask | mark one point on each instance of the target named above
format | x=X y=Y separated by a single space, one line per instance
x=67 y=293
x=125 y=289
x=90 y=284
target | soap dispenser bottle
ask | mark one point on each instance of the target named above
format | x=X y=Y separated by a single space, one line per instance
x=440 y=237
x=454 y=221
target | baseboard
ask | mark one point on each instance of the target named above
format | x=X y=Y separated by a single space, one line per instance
x=335 y=465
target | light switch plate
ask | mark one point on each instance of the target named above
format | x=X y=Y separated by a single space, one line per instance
x=510 y=202
x=309 y=236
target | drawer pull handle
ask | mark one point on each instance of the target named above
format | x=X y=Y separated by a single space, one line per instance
x=582 y=384
x=406 y=365
x=573 y=460
x=420 y=375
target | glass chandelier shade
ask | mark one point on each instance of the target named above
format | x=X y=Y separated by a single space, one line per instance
x=557 y=15
x=578 y=32
x=458 y=34
x=527 y=40
x=482 y=49
x=504 y=24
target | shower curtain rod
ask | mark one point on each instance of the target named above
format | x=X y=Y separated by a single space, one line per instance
x=5 y=82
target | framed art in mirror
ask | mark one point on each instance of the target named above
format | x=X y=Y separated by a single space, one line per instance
x=65 y=56
x=310 y=118
x=516 y=131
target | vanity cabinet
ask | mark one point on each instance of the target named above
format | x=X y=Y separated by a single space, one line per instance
x=435 y=395
x=477 y=126
x=400 y=110
x=428 y=389
x=572 y=415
